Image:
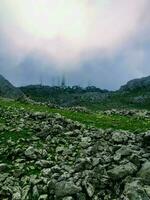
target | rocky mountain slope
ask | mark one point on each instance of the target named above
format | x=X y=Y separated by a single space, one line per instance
x=7 y=90
x=134 y=94
x=137 y=84
x=46 y=156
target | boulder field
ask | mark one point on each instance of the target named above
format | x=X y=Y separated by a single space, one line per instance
x=46 y=157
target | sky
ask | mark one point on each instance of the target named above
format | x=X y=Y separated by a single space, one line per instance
x=92 y=42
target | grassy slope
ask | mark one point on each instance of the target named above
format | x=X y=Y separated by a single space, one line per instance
x=95 y=119
x=115 y=100
x=122 y=100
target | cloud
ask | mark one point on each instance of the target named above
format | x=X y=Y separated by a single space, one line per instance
x=65 y=29
x=70 y=35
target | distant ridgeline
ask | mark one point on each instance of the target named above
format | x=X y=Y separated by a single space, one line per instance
x=65 y=96
x=134 y=94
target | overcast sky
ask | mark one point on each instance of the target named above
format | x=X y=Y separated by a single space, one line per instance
x=100 y=42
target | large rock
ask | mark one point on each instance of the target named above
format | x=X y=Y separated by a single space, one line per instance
x=30 y=153
x=89 y=188
x=134 y=191
x=43 y=197
x=120 y=137
x=16 y=196
x=3 y=167
x=64 y=189
x=144 y=172
x=122 y=171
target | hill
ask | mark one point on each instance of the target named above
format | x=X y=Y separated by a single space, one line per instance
x=64 y=96
x=7 y=90
x=137 y=84
x=134 y=94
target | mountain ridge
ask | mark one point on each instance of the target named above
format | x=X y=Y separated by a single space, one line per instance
x=138 y=83
x=7 y=90
x=134 y=94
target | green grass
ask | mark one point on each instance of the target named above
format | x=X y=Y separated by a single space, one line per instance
x=96 y=120
x=13 y=135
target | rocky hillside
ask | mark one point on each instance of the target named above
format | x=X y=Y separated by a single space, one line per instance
x=7 y=90
x=64 y=96
x=45 y=156
x=137 y=84
x=135 y=94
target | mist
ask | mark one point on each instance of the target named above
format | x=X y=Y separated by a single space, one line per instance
x=102 y=42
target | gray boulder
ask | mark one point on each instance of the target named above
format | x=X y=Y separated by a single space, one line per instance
x=144 y=172
x=134 y=191
x=122 y=171
x=64 y=189
x=120 y=137
x=3 y=167
x=30 y=153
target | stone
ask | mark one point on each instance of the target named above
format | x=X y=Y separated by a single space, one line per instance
x=124 y=151
x=144 y=172
x=43 y=163
x=85 y=142
x=3 y=176
x=117 y=157
x=89 y=188
x=60 y=149
x=16 y=196
x=3 y=167
x=47 y=172
x=121 y=171
x=81 y=196
x=120 y=137
x=83 y=164
x=43 y=197
x=25 y=192
x=64 y=189
x=30 y=153
x=35 y=192
x=134 y=191
x=135 y=159
x=95 y=161
x=67 y=198
x=147 y=190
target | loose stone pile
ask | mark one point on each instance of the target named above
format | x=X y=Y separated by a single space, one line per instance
x=127 y=112
x=49 y=157
x=79 y=109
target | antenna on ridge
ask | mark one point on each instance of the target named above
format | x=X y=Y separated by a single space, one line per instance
x=41 y=80
x=63 y=81
x=58 y=81
x=89 y=83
